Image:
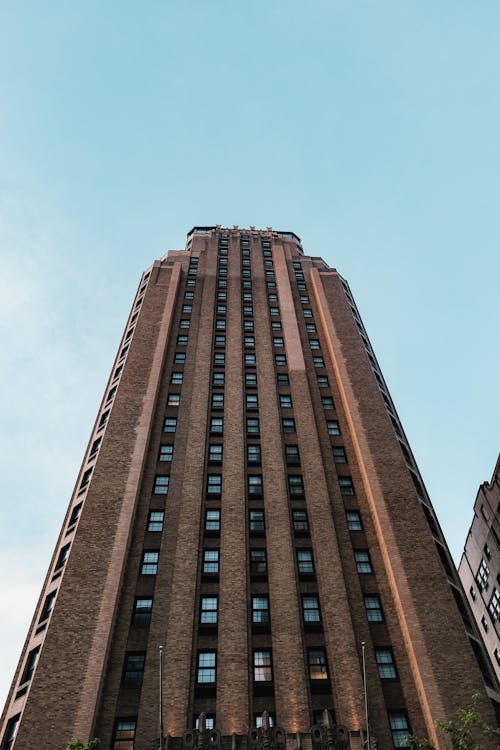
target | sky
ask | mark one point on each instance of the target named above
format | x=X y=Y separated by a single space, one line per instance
x=371 y=129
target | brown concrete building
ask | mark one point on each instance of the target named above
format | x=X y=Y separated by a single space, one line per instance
x=479 y=567
x=248 y=501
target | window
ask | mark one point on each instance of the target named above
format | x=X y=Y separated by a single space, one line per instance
x=253 y=426
x=258 y=562
x=220 y=324
x=134 y=670
x=280 y=360
x=333 y=427
x=318 y=362
x=209 y=721
x=30 y=666
x=221 y=296
x=253 y=454
x=248 y=326
x=251 y=401
x=295 y=485
x=472 y=593
x=292 y=455
x=11 y=732
x=176 y=378
x=274 y=311
x=212 y=520
x=363 y=562
x=346 y=486
x=170 y=424
x=323 y=381
x=283 y=379
x=385 y=664
x=271 y=284
x=180 y=357
x=494 y=605
x=269 y=274
x=487 y=552
x=482 y=575
x=339 y=454
x=302 y=287
x=316 y=659
x=262 y=669
x=216 y=425
x=215 y=453
x=174 y=399
x=188 y=294
x=155 y=522
x=48 y=606
x=166 y=452
x=278 y=341
x=310 y=608
x=247 y=296
x=221 y=309
x=308 y=313
x=354 y=520
x=272 y=297
x=484 y=623
x=310 y=328
x=246 y=273
x=304 y=299
x=142 y=612
x=214 y=484
x=246 y=261
x=63 y=556
x=248 y=310
x=208 y=610
x=275 y=325
x=223 y=261
x=400 y=730
x=187 y=309
x=314 y=343
x=250 y=379
x=190 y=282
x=218 y=379
x=255 y=485
x=206 y=667
x=285 y=401
x=288 y=425
x=220 y=341
x=149 y=565
x=211 y=561
x=296 y=265
x=246 y=284
x=75 y=515
x=217 y=400
x=300 y=523
x=222 y=271
x=161 y=485
x=219 y=358
x=373 y=608
x=256 y=521
x=327 y=402
x=260 y=609
x=305 y=562
x=250 y=360
x=86 y=478
x=185 y=322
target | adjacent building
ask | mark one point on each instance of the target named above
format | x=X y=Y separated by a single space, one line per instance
x=249 y=502
x=479 y=567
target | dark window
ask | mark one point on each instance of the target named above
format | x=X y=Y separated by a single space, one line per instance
x=95 y=447
x=258 y=562
x=310 y=608
x=304 y=299
x=255 y=485
x=221 y=309
x=300 y=522
x=272 y=297
x=385 y=664
x=134 y=670
x=142 y=612
x=288 y=425
x=400 y=729
x=216 y=425
x=262 y=666
x=221 y=296
x=316 y=659
x=310 y=328
x=248 y=326
x=285 y=401
x=482 y=575
x=260 y=609
x=346 y=486
x=149 y=566
x=305 y=561
x=296 y=265
x=248 y=310
x=180 y=358
x=253 y=454
x=283 y=379
x=206 y=667
x=278 y=341
x=333 y=427
x=487 y=552
x=161 y=485
x=214 y=484
x=217 y=400
x=219 y=358
x=166 y=452
x=253 y=425
x=363 y=562
x=249 y=342
x=75 y=515
x=318 y=362
x=215 y=453
x=256 y=521
x=274 y=311
x=339 y=454
x=295 y=485
x=11 y=732
x=170 y=424
x=251 y=401
x=354 y=520
x=208 y=610
x=494 y=605
x=314 y=344
x=220 y=324
x=63 y=556
x=250 y=379
x=48 y=606
x=373 y=608
x=176 y=378
x=280 y=360
x=218 y=379
x=308 y=313
x=327 y=402
x=187 y=309
x=212 y=520
x=276 y=325
x=250 y=360
x=292 y=454
x=30 y=666
x=155 y=522
x=185 y=322
x=323 y=381
x=220 y=341
x=211 y=561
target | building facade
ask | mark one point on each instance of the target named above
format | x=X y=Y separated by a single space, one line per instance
x=249 y=502
x=479 y=567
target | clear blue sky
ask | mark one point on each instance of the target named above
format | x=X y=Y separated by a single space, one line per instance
x=369 y=128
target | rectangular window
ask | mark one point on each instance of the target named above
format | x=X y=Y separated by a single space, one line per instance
x=292 y=455
x=221 y=296
x=251 y=401
x=220 y=340
x=217 y=400
x=318 y=362
x=280 y=360
x=248 y=310
x=187 y=309
x=385 y=664
x=214 y=484
x=300 y=522
x=208 y=610
x=30 y=666
x=220 y=324
x=246 y=284
x=253 y=426
x=272 y=297
x=288 y=425
x=170 y=424
x=124 y=734
x=173 y=399
x=339 y=454
x=255 y=485
x=373 y=608
x=285 y=401
x=363 y=562
x=333 y=427
x=221 y=310
x=211 y=561
x=185 y=323
x=346 y=486
x=269 y=274
x=218 y=379
x=134 y=670
x=250 y=360
x=248 y=326
x=310 y=328
x=316 y=659
x=11 y=732
x=176 y=378
x=258 y=562
x=314 y=344
x=149 y=566
x=308 y=313
x=304 y=299
x=274 y=311
x=180 y=358
x=189 y=294
x=271 y=284
x=253 y=454
x=222 y=271
x=282 y=379
x=155 y=521
x=305 y=561
x=143 y=609
x=260 y=609
x=222 y=283
x=278 y=341
x=75 y=515
x=262 y=667
x=206 y=667
x=249 y=342
x=354 y=520
x=251 y=379
x=219 y=358
x=62 y=557
x=212 y=520
x=256 y=521
x=48 y=606
x=295 y=485
x=161 y=485
x=399 y=728
x=166 y=452
x=215 y=453
x=327 y=402
x=190 y=282
x=296 y=265
x=216 y=425
x=310 y=608
x=494 y=605
x=482 y=575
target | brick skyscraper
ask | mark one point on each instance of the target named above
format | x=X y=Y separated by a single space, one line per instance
x=249 y=501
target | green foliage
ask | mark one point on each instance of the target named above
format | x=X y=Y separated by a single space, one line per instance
x=467 y=732
x=90 y=745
